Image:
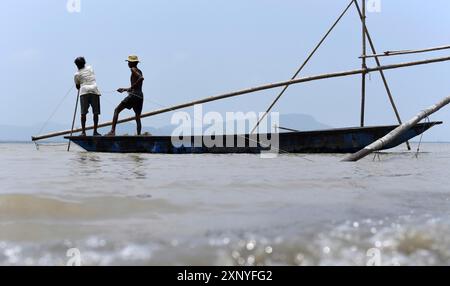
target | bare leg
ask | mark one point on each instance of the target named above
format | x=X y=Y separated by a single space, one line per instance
x=96 y=125
x=83 y=124
x=138 y=124
x=115 y=119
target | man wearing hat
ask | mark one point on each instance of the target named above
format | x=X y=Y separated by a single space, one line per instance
x=135 y=98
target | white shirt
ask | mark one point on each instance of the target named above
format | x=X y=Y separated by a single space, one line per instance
x=86 y=79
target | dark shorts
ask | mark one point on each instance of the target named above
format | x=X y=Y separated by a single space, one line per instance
x=92 y=100
x=134 y=101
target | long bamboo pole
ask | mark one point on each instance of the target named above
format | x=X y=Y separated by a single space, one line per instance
x=407 y=52
x=383 y=77
x=252 y=90
x=303 y=65
x=397 y=132
x=74 y=116
x=364 y=64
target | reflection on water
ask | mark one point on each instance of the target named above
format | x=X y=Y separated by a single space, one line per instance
x=223 y=209
x=128 y=166
x=86 y=164
x=139 y=170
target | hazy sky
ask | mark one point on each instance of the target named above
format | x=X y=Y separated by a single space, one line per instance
x=196 y=48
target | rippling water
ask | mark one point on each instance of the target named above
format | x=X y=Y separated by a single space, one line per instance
x=223 y=209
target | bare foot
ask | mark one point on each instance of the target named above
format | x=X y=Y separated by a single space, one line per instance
x=111 y=133
x=96 y=134
x=83 y=134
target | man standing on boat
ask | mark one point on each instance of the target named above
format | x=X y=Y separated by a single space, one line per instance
x=89 y=93
x=135 y=98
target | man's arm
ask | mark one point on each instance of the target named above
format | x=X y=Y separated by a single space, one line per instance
x=139 y=80
x=77 y=82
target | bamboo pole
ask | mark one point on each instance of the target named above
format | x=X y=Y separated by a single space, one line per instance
x=303 y=65
x=289 y=129
x=383 y=77
x=74 y=116
x=406 y=52
x=252 y=90
x=397 y=132
x=364 y=64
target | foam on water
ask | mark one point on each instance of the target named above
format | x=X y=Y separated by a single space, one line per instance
x=402 y=242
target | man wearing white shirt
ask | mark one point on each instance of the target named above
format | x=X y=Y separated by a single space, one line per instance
x=89 y=93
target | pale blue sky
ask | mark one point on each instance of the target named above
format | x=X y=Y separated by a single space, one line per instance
x=196 y=48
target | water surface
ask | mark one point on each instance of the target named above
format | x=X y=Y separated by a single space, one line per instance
x=145 y=209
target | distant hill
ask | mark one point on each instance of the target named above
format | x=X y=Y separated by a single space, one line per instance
x=302 y=122
x=23 y=134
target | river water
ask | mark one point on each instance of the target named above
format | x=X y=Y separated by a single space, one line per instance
x=144 y=209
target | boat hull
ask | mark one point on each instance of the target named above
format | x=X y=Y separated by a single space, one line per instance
x=345 y=140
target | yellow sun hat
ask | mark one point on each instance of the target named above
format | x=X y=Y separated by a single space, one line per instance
x=133 y=59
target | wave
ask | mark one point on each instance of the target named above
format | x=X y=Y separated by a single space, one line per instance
x=403 y=241
x=35 y=207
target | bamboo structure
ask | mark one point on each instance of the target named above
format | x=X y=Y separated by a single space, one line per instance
x=364 y=64
x=406 y=52
x=369 y=39
x=397 y=132
x=288 y=129
x=253 y=90
x=74 y=116
x=303 y=65
x=383 y=77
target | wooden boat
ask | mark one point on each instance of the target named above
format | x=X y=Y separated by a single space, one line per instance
x=344 y=140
